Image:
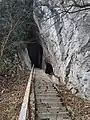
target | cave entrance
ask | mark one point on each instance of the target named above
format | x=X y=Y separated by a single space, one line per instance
x=49 y=68
x=35 y=52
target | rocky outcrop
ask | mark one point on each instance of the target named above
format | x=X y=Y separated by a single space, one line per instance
x=66 y=43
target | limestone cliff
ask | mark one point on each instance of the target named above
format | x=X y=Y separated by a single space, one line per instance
x=65 y=36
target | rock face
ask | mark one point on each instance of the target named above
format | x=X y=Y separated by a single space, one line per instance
x=66 y=42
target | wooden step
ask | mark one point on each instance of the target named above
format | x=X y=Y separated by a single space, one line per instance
x=52 y=109
x=53 y=116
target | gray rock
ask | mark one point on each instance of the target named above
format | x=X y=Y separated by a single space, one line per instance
x=66 y=42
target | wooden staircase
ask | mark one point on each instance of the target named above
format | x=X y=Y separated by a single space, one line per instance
x=48 y=104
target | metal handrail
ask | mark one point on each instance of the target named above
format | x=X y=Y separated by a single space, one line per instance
x=26 y=101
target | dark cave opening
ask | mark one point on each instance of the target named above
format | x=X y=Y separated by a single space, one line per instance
x=49 y=68
x=35 y=50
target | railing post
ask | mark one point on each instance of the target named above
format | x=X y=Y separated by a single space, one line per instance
x=29 y=113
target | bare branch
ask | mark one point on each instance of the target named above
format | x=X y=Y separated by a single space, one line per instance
x=6 y=40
